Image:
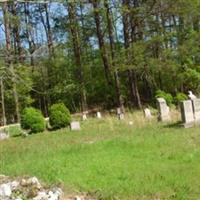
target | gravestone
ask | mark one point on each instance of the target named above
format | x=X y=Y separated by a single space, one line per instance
x=99 y=115
x=84 y=117
x=75 y=126
x=196 y=110
x=163 y=109
x=147 y=113
x=120 y=114
x=187 y=113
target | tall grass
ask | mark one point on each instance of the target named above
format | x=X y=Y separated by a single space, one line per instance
x=112 y=159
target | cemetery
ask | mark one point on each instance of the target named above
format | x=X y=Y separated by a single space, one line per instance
x=140 y=153
x=99 y=100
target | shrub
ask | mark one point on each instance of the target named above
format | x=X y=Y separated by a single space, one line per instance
x=180 y=97
x=59 y=116
x=167 y=96
x=32 y=119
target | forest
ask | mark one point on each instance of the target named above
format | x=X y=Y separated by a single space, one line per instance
x=96 y=53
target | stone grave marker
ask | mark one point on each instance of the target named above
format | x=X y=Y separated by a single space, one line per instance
x=196 y=110
x=99 y=115
x=75 y=126
x=163 y=109
x=187 y=113
x=147 y=113
x=120 y=114
x=84 y=117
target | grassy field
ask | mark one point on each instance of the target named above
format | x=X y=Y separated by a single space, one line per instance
x=111 y=159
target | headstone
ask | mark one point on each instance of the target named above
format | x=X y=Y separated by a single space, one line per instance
x=121 y=116
x=163 y=110
x=187 y=113
x=84 y=117
x=147 y=113
x=119 y=111
x=75 y=126
x=99 y=115
x=196 y=110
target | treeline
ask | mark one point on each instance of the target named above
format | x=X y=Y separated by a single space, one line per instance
x=96 y=53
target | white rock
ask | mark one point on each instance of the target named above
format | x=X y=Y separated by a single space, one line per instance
x=77 y=198
x=34 y=181
x=3 y=136
x=58 y=191
x=41 y=196
x=23 y=182
x=14 y=185
x=53 y=196
x=18 y=198
x=5 y=190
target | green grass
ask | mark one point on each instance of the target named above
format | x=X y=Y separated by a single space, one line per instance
x=111 y=159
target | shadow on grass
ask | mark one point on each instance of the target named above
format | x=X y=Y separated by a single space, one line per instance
x=176 y=125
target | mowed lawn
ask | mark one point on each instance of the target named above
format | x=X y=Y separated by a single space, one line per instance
x=111 y=159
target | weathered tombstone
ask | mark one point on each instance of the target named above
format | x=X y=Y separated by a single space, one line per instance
x=120 y=114
x=84 y=117
x=196 y=110
x=99 y=115
x=187 y=113
x=163 y=110
x=147 y=113
x=75 y=126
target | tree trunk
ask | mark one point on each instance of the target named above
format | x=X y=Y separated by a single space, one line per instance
x=112 y=47
x=128 y=27
x=2 y=102
x=100 y=37
x=77 y=52
x=9 y=60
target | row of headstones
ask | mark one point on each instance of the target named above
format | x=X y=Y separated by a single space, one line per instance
x=75 y=125
x=190 y=112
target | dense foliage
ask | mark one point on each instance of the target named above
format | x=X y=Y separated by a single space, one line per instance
x=59 y=116
x=97 y=53
x=32 y=119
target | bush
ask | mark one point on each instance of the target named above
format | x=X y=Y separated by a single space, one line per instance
x=32 y=119
x=59 y=116
x=167 y=96
x=180 y=97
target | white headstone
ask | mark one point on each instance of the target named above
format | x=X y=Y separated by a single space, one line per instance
x=75 y=126
x=187 y=113
x=147 y=113
x=196 y=109
x=121 y=116
x=163 y=109
x=99 y=115
x=84 y=117
x=119 y=111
